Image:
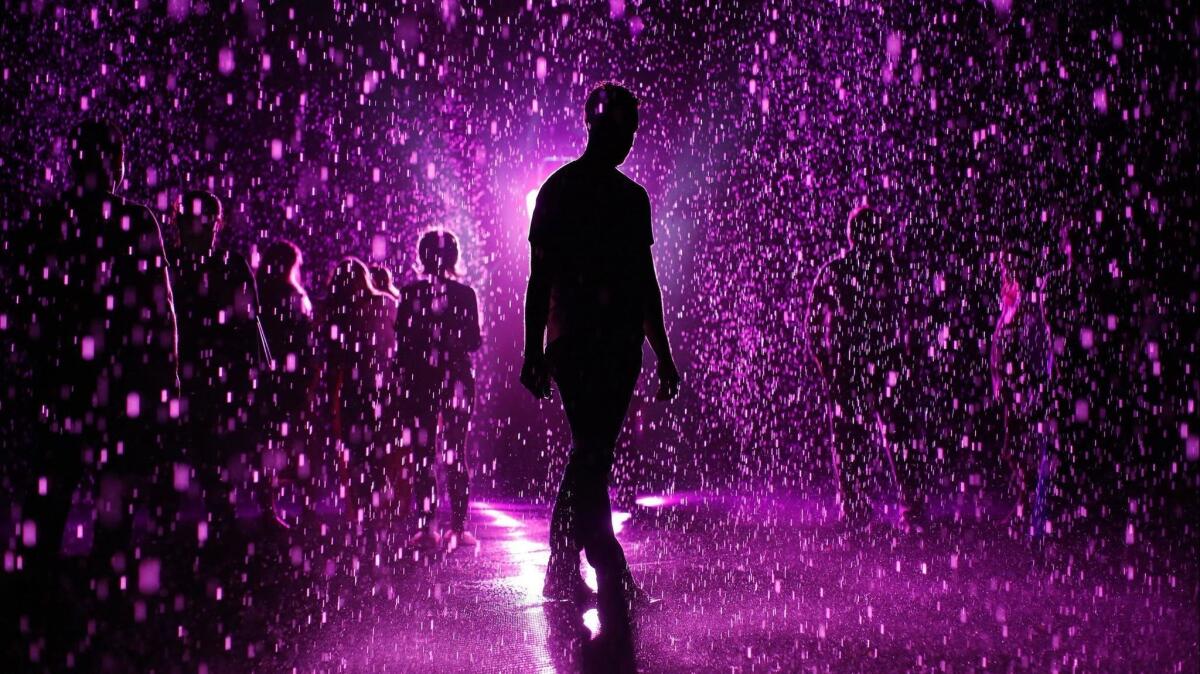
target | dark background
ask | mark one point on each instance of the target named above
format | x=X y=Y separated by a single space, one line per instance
x=763 y=124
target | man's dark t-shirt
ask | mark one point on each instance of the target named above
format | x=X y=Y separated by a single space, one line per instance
x=103 y=318
x=221 y=345
x=593 y=222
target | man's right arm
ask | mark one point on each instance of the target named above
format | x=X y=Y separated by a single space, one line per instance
x=655 y=329
x=817 y=318
x=162 y=322
x=534 y=373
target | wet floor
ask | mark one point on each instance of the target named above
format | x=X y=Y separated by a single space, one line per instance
x=749 y=584
x=765 y=586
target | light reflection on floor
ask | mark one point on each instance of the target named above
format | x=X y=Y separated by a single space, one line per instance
x=754 y=583
x=530 y=557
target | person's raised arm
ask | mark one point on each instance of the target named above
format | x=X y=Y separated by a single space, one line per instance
x=534 y=372
x=655 y=328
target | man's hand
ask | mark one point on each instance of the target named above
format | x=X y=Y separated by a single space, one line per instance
x=535 y=376
x=668 y=380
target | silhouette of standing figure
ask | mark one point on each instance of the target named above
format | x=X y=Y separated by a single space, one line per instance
x=856 y=333
x=1022 y=366
x=438 y=329
x=394 y=497
x=102 y=342
x=351 y=385
x=286 y=314
x=222 y=351
x=287 y=320
x=593 y=295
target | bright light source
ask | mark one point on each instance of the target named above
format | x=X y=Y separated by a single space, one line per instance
x=531 y=201
x=618 y=521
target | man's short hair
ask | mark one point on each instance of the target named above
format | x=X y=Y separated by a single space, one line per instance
x=438 y=251
x=196 y=203
x=611 y=104
x=867 y=225
x=94 y=144
x=200 y=202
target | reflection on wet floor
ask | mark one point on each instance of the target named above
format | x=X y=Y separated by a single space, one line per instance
x=769 y=586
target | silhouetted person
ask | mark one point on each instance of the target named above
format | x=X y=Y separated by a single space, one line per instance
x=1022 y=366
x=593 y=296
x=351 y=388
x=438 y=329
x=857 y=324
x=222 y=352
x=222 y=355
x=286 y=313
x=391 y=459
x=101 y=330
x=221 y=344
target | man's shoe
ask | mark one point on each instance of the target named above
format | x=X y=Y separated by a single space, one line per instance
x=459 y=539
x=424 y=538
x=567 y=588
x=635 y=596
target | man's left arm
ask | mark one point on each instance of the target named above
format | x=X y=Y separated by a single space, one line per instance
x=653 y=320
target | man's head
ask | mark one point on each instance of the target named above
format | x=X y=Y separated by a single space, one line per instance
x=438 y=252
x=867 y=227
x=280 y=259
x=97 y=154
x=199 y=219
x=611 y=115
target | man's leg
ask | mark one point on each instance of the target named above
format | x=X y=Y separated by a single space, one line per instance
x=596 y=404
x=596 y=389
x=852 y=435
x=455 y=424
x=902 y=416
x=562 y=570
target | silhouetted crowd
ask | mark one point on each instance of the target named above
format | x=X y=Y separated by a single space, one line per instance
x=210 y=402
x=880 y=332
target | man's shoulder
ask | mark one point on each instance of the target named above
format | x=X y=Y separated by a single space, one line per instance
x=136 y=211
x=630 y=184
x=561 y=177
x=237 y=264
x=580 y=170
x=410 y=290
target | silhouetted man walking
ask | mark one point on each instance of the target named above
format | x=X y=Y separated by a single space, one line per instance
x=593 y=296
x=222 y=353
x=99 y=325
x=856 y=326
